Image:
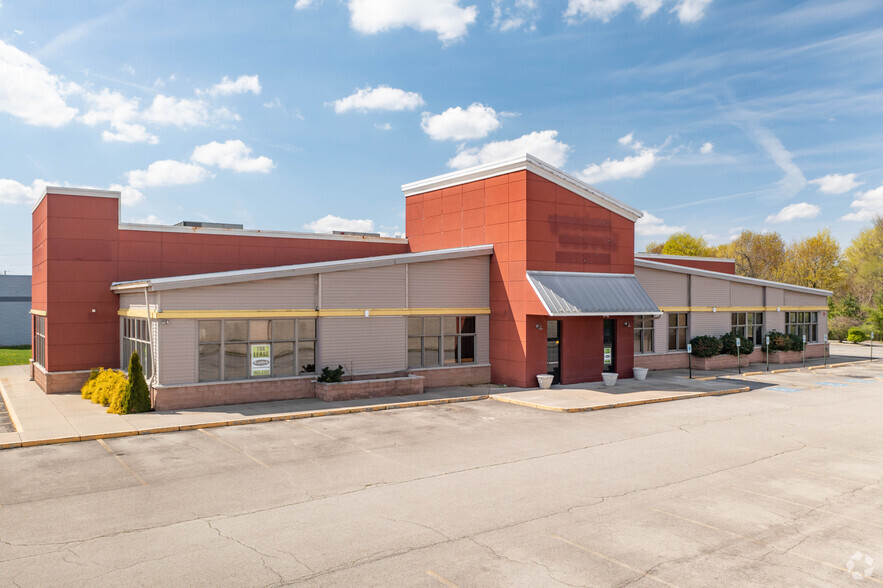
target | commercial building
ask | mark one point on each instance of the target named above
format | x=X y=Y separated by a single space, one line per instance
x=509 y=270
x=15 y=302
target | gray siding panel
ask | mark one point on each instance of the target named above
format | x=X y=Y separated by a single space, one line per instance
x=660 y=333
x=746 y=295
x=15 y=310
x=363 y=345
x=804 y=299
x=482 y=338
x=774 y=321
x=775 y=297
x=665 y=288
x=455 y=283
x=710 y=292
x=381 y=287
x=132 y=299
x=709 y=323
x=177 y=352
x=283 y=293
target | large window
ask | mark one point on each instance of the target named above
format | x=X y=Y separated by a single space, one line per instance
x=803 y=323
x=257 y=348
x=435 y=341
x=677 y=331
x=40 y=340
x=748 y=325
x=136 y=337
x=644 y=334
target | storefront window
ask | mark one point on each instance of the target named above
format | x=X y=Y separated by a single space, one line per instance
x=803 y=323
x=136 y=337
x=40 y=340
x=643 y=334
x=677 y=331
x=749 y=325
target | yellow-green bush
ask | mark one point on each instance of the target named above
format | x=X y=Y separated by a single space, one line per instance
x=105 y=386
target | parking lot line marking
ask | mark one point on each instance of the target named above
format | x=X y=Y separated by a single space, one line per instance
x=763 y=544
x=121 y=462
x=234 y=448
x=864 y=457
x=615 y=561
x=830 y=512
x=836 y=478
x=332 y=437
x=441 y=579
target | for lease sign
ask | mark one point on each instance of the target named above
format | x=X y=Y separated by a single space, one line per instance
x=260 y=360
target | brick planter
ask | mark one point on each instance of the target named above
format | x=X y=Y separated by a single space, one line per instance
x=369 y=388
x=719 y=362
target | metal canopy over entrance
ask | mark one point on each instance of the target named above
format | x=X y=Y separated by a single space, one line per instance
x=591 y=294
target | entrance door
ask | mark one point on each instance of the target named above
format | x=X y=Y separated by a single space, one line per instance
x=609 y=345
x=553 y=350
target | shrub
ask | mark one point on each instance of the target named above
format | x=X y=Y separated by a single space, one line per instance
x=329 y=375
x=135 y=397
x=796 y=342
x=104 y=386
x=856 y=335
x=728 y=344
x=705 y=346
x=838 y=327
x=86 y=390
x=779 y=341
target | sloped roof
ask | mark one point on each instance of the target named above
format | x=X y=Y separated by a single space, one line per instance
x=591 y=294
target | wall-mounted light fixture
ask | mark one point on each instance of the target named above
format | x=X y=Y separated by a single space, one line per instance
x=626 y=324
x=714 y=309
x=539 y=327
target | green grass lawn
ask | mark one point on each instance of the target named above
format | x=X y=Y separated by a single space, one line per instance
x=15 y=355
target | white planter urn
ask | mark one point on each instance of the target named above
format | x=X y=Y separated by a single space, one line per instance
x=545 y=381
x=609 y=378
x=640 y=373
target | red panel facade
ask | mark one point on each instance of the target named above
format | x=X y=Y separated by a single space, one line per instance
x=723 y=266
x=534 y=224
x=79 y=249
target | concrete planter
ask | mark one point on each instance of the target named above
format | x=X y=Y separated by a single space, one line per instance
x=609 y=378
x=640 y=373
x=545 y=381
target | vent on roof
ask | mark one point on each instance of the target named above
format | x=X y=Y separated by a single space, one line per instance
x=355 y=234
x=205 y=225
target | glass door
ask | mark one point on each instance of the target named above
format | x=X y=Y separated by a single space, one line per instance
x=553 y=350
x=609 y=345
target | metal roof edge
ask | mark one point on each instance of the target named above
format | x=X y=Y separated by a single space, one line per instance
x=68 y=191
x=287 y=271
x=652 y=256
x=593 y=274
x=258 y=233
x=524 y=162
x=719 y=275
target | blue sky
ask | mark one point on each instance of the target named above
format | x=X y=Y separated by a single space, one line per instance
x=308 y=115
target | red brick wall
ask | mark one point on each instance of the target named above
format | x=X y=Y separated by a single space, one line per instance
x=533 y=224
x=369 y=388
x=79 y=250
x=724 y=266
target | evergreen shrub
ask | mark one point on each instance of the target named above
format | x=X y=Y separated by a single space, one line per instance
x=728 y=345
x=705 y=346
x=135 y=397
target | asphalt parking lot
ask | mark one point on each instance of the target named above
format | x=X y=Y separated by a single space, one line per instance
x=782 y=485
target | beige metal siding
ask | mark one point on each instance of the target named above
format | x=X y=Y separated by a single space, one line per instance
x=709 y=323
x=482 y=330
x=804 y=299
x=177 y=352
x=665 y=288
x=363 y=345
x=710 y=292
x=284 y=293
x=454 y=283
x=746 y=295
x=660 y=333
x=131 y=299
x=775 y=297
x=774 y=321
x=381 y=287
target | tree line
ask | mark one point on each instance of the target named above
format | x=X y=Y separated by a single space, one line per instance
x=854 y=275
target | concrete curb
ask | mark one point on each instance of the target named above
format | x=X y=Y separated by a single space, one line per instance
x=16 y=424
x=617 y=404
x=244 y=421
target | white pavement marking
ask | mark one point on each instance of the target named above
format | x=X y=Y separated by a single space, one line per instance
x=121 y=462
x=809 y=506
x=234 y=448
x=441 y=579
x=863 y=484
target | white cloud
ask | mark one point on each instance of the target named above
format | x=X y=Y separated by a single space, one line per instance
x=118 y=111
x=379 y=98
x=167 y=172
x=180 y=112
x=690 y=11
x=633 y=166
x=541 y=144
x=233 y=154
x=383 y=126
x=128 y=195
x=836 y=183
x=330 y=223
x=706 y=148
x=867 y=204
x=801 y=210
x=475 y=122
x=12 y=192
x=521 y=14
x=793 y=181
x=446 y=18
x=304 y=4
x=30 y=92
x=150 y=219
x=650 y=225
x=240 y=85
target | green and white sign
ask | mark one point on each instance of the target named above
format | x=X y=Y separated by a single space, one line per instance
x=260 y=360
x=608 y=355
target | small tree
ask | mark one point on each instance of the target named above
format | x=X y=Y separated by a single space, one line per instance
x=135 y=397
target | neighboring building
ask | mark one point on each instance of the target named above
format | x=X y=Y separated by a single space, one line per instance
x=509 y=270
x=15 y=303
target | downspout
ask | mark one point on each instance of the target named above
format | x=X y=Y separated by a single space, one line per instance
x=150 y=338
